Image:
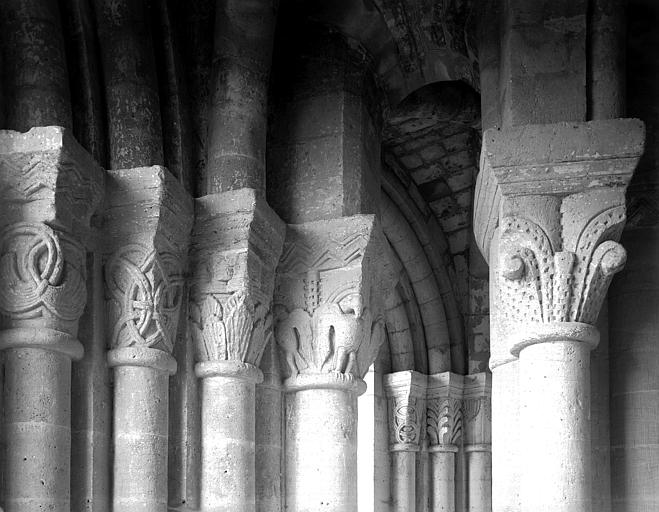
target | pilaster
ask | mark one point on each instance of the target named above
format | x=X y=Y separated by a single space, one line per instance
x=50 y=188
x=147 y=226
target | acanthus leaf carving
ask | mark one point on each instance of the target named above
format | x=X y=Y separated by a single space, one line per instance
x=234 y=329
x=42 y=273
x=541 y=284
x=145 y=290
x=470 y=408
x=444 y=422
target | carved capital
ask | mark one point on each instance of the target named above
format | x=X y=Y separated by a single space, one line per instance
x=557 y=160
x=552 y=198
x=444 y=415
x=477 y=409
x=49 y=189
x=237 y=241
x=406 y=395
x=147 y=227
x=48 y=177
x=145 y=292
x=329 y=298
x=230 y=328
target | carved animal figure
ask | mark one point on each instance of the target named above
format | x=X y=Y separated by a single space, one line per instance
x=340 y=331
x=290 y=332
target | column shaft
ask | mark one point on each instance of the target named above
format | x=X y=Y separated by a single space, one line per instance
x=555 y=454
x=443 y=480
x=227 y=453
x=141 y=419
x=633 y=300
x=479 y=478
x=321 y=451
x=131 y=84
x=37 y=408
x=505 y=438
x=403 y=481
x=35 y=72
x=241 y=70
x=269 y=403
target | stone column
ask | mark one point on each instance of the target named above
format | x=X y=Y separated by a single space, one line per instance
x=477 y=425
x=241 y=71
x=36 y=80
x=559 y=190
x=131 y=83
x=329 y=300
x=147 y=227
x=406 y=393
x=269 y=433
x=444 y=431
x=50 y=187
x=237 y=242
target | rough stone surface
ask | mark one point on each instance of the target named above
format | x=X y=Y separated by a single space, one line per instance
x=372 y=114
x=554 y=252
x=147 y=227
x=45 y=233
x=237 y=242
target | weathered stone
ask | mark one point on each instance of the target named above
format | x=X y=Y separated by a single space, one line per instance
x=35 y=67
x=237 y=241
x=329 y=298
x=50 y=189
x=329 y=303
x=147 y=227
x=559 y=196
x=406 y=392
x=131 y=85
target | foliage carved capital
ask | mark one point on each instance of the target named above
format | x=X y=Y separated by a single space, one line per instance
x=558 y=160
x=237 y=241
x=444 y=415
